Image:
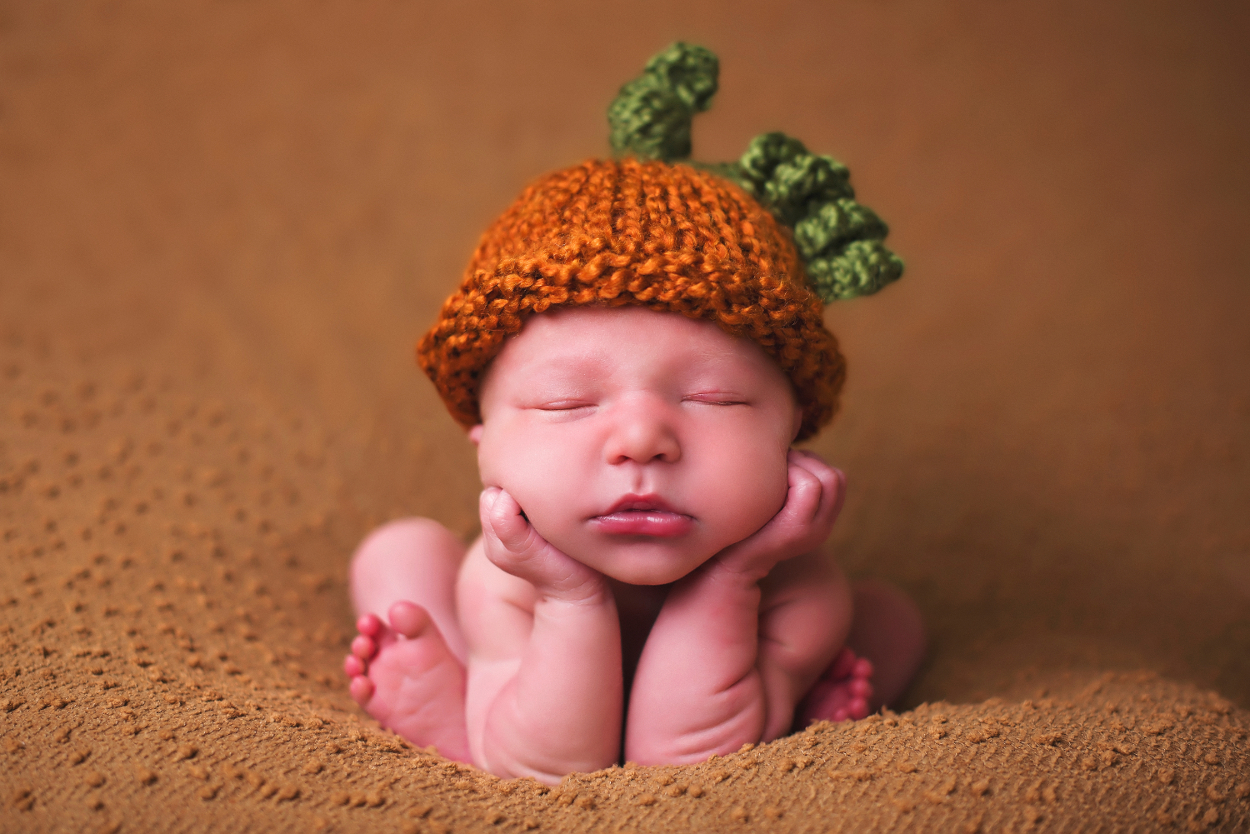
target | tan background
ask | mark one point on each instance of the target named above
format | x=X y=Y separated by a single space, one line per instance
x=1047 y=421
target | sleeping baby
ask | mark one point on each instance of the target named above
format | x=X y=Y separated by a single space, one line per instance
x=634 y=350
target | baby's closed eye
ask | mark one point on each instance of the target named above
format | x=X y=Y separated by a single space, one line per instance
x=564 y=406
x=554 y=397
x=564 y=409
x=720 y=398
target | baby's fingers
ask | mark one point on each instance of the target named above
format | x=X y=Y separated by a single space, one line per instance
x=804 y=494
x=503 y=521
x=813 y=497
x=832 y=486
x=514 y=546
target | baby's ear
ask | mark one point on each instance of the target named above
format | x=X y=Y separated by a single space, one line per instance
x=475 y=434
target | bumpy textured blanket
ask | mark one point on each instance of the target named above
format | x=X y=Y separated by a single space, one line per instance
x=222 y=227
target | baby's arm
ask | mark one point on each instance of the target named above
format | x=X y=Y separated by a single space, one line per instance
x=544 y=692
x=719 y=669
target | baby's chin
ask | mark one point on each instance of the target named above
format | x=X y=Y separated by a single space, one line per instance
x=645 y=565
x=644 y=578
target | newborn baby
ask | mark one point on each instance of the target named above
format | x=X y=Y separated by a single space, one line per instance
x=641 y=499
x=644 y=517
x=634 y=349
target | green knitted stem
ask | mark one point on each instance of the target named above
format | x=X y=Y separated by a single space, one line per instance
x=651 y=115
x=839 y=240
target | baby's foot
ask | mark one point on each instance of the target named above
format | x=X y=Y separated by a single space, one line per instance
x=404 y=675
x=841 y=694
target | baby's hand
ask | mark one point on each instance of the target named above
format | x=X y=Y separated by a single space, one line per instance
x=515 y=547
x=813 y=499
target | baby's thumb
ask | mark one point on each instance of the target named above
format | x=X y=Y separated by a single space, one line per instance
x=803 y=495
x=502 y=519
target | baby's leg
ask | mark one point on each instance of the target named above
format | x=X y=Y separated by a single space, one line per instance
x=882 y=654
x=406 y=665
x=887 y=630
x=410 y=560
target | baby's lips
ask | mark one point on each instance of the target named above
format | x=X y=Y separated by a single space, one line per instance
x=648 y=501
x=650 y=523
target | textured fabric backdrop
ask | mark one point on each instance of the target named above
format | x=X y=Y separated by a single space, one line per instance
x=223 y=226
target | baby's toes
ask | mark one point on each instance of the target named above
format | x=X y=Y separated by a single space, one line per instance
x=843 y=666
x=362 y=689
x=408 y=618
x=353 y=666
x=856 y=709
x=860 y=687
x=364 y=647
x=369 y=625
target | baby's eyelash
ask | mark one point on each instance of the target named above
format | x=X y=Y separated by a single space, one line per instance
x=716 y=399
x=562 y=405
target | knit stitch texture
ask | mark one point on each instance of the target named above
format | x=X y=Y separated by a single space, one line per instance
x=664 y=236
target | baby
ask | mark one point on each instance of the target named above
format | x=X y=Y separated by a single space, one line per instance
x=633 y=352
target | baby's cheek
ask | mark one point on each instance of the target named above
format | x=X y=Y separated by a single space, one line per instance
x=513 y=466
x=543 y=497
x=773 y=486
x=751 y=495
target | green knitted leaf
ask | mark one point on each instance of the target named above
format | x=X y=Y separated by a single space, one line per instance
x=766 y=152
x=798 y=184
x=833 y=225
x=861 y=268
x=787 y=178
x=651 y=115
x=838 y=239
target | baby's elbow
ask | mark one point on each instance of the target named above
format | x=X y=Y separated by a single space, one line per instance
x=513 y=746
x=543 y=766
x=742 y=717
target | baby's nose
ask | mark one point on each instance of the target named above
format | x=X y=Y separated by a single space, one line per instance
x=643 y=432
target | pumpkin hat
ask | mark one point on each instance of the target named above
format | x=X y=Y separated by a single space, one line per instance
x=755 y=246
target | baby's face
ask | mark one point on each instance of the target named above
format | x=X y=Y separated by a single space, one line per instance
x=639 y=443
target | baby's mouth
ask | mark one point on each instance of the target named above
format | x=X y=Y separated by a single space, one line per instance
x=643 y=515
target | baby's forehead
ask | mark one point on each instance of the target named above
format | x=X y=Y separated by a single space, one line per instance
x=626 y=333
x=605 y=343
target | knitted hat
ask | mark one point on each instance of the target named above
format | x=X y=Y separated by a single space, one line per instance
x=703 y=241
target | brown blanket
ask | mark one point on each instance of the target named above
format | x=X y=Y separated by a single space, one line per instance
x=222 y=227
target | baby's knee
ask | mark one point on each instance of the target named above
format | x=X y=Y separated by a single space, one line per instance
x=404 y=535
x=413 y=559
x=876 y=599
x=405 y=546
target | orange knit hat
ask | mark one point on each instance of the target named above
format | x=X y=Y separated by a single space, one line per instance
x=673 y=238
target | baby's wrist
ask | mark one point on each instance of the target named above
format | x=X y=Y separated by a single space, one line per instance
x=588 y=590
x=728 y=576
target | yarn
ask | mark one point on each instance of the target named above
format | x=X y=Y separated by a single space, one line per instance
x=665 y=236
x=839 y=240
x=753 y=245
x=651 y=116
